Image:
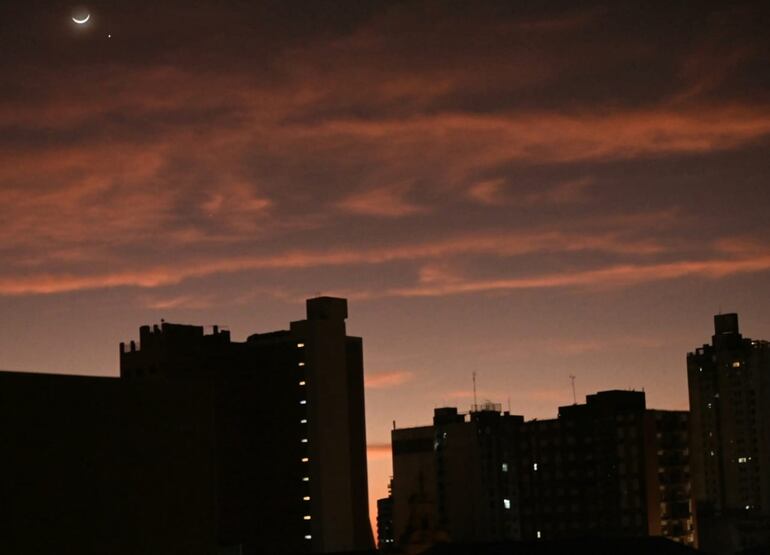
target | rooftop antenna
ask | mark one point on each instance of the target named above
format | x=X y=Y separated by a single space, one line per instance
x=574 y=395
x=475 y=405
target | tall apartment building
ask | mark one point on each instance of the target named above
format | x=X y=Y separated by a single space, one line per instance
x=214 y=446
x=729 y=385
x=607 y=468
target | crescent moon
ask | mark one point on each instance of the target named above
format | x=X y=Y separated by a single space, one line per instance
x=82 y=21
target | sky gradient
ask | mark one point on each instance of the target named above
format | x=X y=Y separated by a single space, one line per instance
x=519 y=191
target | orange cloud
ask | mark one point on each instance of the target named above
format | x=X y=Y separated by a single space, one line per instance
x=386 y=380
x=493 y=192
x=612 y=276
x=387 y=202
x=180 y=301
x=480 y=141
x=155 y=275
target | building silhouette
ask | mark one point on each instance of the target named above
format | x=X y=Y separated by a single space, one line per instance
x=203 y=445
x=729 y=386
x=607 y=468
x=385 y=538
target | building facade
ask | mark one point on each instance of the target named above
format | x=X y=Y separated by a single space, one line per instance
x=608 y=468
x=671 y=511
x=276 y=424
x=729 y=387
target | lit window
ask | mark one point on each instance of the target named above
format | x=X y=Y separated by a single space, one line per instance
x=507 y=503
x=306 y=498
x=505 y=467
x=742 y=460
x=308 y=537
x=303 y=421
x=300 y=345
x=304 y=440
x=303 y=402
x=748 y=507
x=302 y=364
x=306 y=517
x=306 y=478
x=736 y=364
x=302 y=382
x=305 y=459
x=539 y=535
x=534 y=467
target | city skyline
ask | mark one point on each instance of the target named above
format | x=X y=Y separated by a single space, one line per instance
x=378 y=452
x=524 y=192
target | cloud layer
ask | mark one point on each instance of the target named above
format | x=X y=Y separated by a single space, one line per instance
x=178 y=164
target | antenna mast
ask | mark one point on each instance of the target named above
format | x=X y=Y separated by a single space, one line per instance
x=475 y=405
x=574 y=396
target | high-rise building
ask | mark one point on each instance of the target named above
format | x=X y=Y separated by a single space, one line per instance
x=607 y=468
x=729 y=385
x=244 y=447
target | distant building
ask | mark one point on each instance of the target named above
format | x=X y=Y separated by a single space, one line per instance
x=385 y=537
x=607 y=468
x=450 y=480
x=475 y=487
x=729 y=384
x=203 y=445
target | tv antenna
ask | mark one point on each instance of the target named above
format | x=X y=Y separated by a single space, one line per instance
x=475 y=405
x=574 y=395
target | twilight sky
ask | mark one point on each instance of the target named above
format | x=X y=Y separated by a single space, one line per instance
x=520 y=191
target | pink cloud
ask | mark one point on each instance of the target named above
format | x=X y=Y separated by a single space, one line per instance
x=389 y=202
x=196 y=302
x=158 y=274
x=493 y=192
x=387 y=380
x=612 y=276
x=488 y=191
